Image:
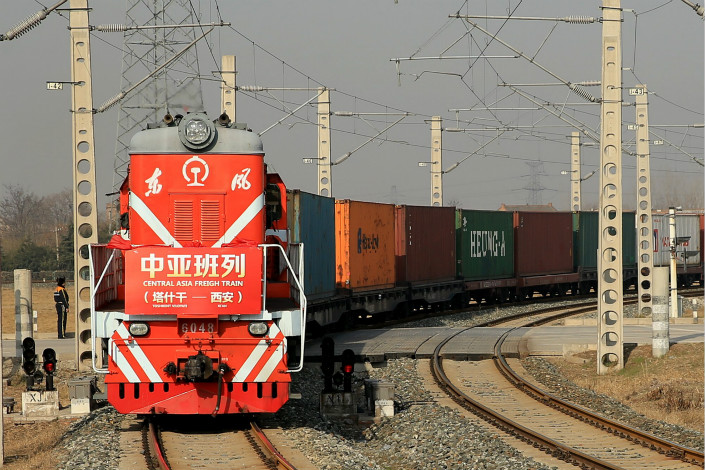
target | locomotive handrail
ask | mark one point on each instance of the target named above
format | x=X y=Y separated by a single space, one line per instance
x=302 y=297
x=93 y=316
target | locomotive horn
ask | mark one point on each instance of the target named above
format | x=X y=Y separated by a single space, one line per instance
x=168 y=119
x=224 y=119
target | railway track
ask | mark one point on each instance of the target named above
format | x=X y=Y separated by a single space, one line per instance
x=168 y=446
x=499 y=395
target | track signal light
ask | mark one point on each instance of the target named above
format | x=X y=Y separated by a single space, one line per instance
x=348 y=366
x=29 y=356
x=49 y=366
x=29 y=362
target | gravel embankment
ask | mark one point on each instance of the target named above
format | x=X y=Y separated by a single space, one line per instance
x=422 y=435
x=547 y=375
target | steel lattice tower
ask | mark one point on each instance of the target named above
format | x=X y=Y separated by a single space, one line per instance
x=534 y=186
x=176 y=89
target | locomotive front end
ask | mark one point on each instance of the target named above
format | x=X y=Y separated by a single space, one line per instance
x=208 y=312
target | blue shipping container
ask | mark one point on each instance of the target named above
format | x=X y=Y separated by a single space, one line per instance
x=311 y=221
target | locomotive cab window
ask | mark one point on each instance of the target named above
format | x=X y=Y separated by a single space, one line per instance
x=273 y=201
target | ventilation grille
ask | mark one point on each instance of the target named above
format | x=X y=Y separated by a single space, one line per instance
x=183 y=220
x=210 y=220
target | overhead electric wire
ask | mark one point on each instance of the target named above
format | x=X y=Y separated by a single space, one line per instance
x=538 y=135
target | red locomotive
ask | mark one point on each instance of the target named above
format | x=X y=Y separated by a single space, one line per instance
x=197 y=305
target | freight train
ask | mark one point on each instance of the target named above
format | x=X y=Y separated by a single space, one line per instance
x=201 y=302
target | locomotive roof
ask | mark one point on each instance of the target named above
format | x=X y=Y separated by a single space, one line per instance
x=166 y=140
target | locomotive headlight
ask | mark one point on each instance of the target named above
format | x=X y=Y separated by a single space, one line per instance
x=257 y=328
x=196 y=132
x=139 y=329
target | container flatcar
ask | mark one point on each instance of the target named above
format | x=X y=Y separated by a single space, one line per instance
x=688 y=249
x=543 y=252
x=364 y=235
x=312 y=223
x=586 y=239
x=425 y=244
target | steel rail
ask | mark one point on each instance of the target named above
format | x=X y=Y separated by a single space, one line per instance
x=280 y=460
x=156 y=455
x=546 y=444
x=263 y=447
x=637 y=436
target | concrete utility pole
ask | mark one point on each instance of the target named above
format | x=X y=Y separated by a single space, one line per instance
x=436 y=162
x=85 y=215
x=674 y=274
x=660 y=333
x=227 y=87
x=644 y=223
x=610 y=354
x=2 y=383
x=23 y=308
x=575 y=177
x=325 y=180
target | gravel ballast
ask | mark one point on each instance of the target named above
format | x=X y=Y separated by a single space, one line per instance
x=423 y=435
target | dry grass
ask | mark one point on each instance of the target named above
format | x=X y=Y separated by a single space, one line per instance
x=669 y=389
x=42 y=302
x=39 y=455
x=42 y=435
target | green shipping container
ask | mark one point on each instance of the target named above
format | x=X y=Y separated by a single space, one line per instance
x=585 y=239
x=484 y=244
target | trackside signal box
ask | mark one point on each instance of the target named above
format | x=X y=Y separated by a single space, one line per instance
x=81 y=392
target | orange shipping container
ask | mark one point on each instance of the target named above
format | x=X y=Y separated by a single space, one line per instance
x=364 y=245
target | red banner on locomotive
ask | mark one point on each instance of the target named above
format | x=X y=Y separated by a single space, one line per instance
x=194 y=280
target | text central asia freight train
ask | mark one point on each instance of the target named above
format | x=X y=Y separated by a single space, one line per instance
x=192 y=312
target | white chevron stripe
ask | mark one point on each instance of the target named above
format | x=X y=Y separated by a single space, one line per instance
x=139 y=355
x=271 y=364
x=256 y=355
x=152 y=221
x=122 y=363
x=251 y=362
x=245 y=218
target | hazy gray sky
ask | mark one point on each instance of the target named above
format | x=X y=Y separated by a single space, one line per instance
x=346 y=46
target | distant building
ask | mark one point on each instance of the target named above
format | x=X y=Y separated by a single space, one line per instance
x=528 y=208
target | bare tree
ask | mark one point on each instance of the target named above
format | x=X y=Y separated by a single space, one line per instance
x=680 y=190
x=19 y=212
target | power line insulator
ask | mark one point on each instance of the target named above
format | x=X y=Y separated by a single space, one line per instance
x=25 y=26
x=582 y=93
x=111 y=28
x=580 y=19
